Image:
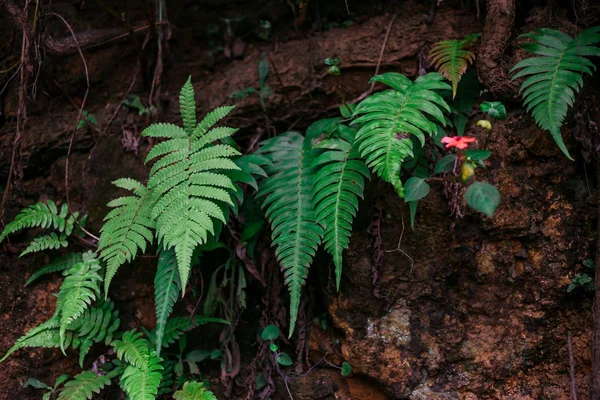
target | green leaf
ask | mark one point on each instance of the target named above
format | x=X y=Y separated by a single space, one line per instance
x=554 y=75
x=495 y=109
x=412 y=208
x=385 y=119
x=483 y=197
x=34 y=383
x=273 y=347
x=263 y=70
x=287 y=198
x=415 y=189
x=166 y=290
x=446 y=164
x=346 y=369
x=477 y=155
x=451 y=58
x=284 y=359
x=59 y=264
x=271 y=332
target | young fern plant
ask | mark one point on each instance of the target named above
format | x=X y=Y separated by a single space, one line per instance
x=75 y=322
x=555 y=75
x=387 y=118
x=47 y=216
x=452 y=57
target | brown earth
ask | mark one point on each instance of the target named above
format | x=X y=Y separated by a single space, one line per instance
x=470 y=308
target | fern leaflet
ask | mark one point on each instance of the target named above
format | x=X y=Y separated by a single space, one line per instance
x=187 y=181
x=42 y=215
x=83 y=386
x=288 y=201
x=555 y=75
x=142 y=376
x=128 y=228
x=78 y=290
x=387 y=117
x=166 y=289
x=45 y=242
x=60 y=264
x=451 y=58
x=338 y=184
x=194 y=391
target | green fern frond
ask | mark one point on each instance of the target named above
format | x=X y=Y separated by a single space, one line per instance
x=194 y=391
x=177 y=326
x=555 y=75
x=451 y=58
x=60 y=264
x=45 y=242
x=288 y=201
x=44 y=335
x=338 y=184
x=83 y=386
x=41 y=215
x=388 y=117
x=187 y=107
x=188 y=182
x=168 y=378
x=96 y=324
x=142 y=376
x=79 y=289
x=128 y=228
x=166 y=290
x=210 y=119
x=132 y=348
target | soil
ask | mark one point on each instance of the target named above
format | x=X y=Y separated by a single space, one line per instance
x=466 y=308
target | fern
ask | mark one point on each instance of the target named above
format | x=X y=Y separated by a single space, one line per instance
x=96 y=324
x=79 y=289
x=187 y=181
x=387 y=117
x=44 y=335
x=288 y=201
x=451 y=58
x=175 y=327
x=45 y=242
x=42 y=215
x=194 y=391
x=141 y=378
x=166 y=290
x=338 y=184
x=168 y=377
x=128 y=228
x=555 y=75
x=60 y=264
x=83 y=386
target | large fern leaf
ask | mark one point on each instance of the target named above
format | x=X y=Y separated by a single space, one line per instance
x=451 y=58
x=555 y=75
x=128 y=228
x=142 y=376
x=79 y=289
x=388 y=117
x=288 y=201
x=83 y=386
x=194 y=391
x=338 y=184
x=175 y=327
x=166 y=290
x=187 y=181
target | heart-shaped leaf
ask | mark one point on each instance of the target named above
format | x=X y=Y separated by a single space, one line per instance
x=445 y=164
x=483 y=197
x=415 y=189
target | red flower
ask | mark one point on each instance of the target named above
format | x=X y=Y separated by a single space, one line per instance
x=460 y=142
